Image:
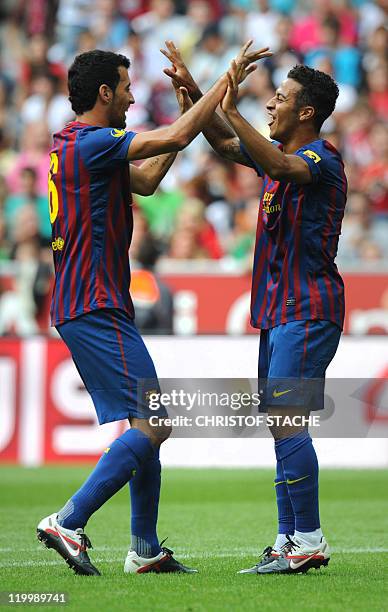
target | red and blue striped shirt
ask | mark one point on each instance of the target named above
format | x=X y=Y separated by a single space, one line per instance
x=294 y=274
x=91 y=215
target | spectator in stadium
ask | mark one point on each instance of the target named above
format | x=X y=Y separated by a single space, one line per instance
x=3 y=192
x=130 y=9
x=371 y=15
x=160 y=210
x=191 y=220
x=260 y=25
x=377 y=80
x=4 y=245
x=347 y=93
x=12 y=49
x=370 y=252
x=108 y=27
x=36 y=18
x=25 y=234
x=36 y=62
x=200 y=14
x=361 y=230
x=184 y=246
x=308 y=33
x=86 y=42
x=374 y=175
x=28 y=195
x=8 y=153
x=285 y=57
x=152 y=299
x=6 y=110
x=376 y=52
x=212 y=56
x=355 y=128
x=219 y=195
x=346 y=59
x=73 y=17
x=243 y=238
x=139 y=118
x=17 y=307
x=154 y=26
x=33 y=153
x=46 y=102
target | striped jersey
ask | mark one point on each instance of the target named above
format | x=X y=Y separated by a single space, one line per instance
x=91 y=216
x=294 y=274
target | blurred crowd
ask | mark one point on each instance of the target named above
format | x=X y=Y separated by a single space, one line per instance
x=206 y=207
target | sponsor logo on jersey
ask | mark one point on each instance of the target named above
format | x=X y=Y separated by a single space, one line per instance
x=149 y=394
x=267 y=206
x=117 y=133
x=267 y=197
x=58 y=244
x=312 y=155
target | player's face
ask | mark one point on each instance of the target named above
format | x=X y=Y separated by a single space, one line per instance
x=284 y=116
x=122 y=100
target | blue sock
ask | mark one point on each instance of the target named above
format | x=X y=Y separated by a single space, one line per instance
x=300 y=468
x=145 y=491
x=112 y=472
x=286 y=517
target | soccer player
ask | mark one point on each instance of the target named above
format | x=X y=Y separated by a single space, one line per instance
x=90 y=185
x=297 y=293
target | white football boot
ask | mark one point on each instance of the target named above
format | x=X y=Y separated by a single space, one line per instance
x=164 y=562
x=71 y=545
x=293 y=558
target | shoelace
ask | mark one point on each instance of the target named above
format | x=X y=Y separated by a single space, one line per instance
x=289 y=546
x=85 y=541
x=266 y=553
x=165 y=549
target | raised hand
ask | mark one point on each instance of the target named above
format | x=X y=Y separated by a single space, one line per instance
x=239 y=69
x=245 y=60
x=179 y=73
x=183 y=97
x=229 y=101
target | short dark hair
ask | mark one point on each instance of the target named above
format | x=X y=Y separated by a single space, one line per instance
x=319 y=90
x=88 y=72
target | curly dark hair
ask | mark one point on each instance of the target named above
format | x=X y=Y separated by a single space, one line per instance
x=88 y=72
x=319 y=90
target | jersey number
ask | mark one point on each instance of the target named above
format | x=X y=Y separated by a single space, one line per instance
x=53 y=193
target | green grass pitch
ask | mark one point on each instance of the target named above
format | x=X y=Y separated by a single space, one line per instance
x=217 y=521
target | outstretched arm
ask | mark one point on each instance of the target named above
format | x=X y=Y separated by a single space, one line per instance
x=278 y=165
x=177 y=136
x=146 y=178
x=217 y=131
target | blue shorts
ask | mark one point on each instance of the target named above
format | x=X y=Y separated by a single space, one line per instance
x=113 y=362
x=293 y=359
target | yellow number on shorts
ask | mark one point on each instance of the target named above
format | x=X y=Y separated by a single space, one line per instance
x=53 y=193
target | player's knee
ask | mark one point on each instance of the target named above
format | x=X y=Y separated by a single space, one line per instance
x=282 y=424
x=160 y=433
x=156 y=432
